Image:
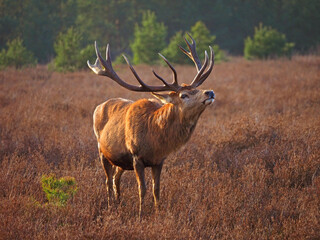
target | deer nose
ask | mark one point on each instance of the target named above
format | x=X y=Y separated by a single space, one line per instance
x=210 y=94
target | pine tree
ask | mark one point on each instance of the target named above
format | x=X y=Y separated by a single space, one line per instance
x=149 y=39
x=17 y=55
x=70 y=55
x=266 y=42
x=201 y=34
x=172 y=51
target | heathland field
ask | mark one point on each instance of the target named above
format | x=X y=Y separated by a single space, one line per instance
x=251 y=170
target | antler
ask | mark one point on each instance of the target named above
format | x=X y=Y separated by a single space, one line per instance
x=104 y=68
x=200 y=77
x=175 y=84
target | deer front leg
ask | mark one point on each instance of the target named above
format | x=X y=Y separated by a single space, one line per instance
x=108 y=171
x=116 y=182
x=139 y=171
x=156 y=171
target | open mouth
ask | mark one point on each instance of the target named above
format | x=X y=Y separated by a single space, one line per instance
x=208 y=101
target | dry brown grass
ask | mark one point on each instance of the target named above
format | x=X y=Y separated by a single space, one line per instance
x=250 y=171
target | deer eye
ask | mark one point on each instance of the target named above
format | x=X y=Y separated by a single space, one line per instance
x=183 y=96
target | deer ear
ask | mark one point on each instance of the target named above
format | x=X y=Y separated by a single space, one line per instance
x=164 y=97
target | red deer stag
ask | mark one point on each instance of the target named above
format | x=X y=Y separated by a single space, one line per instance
x=135 y=135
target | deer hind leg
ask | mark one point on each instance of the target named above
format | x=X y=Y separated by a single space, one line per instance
x=116 y=182
x=139 y=171
x=108 y=169
x=156 y=171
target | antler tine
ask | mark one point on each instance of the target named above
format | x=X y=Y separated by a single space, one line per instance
x=96 y=67
x=135 y=73
x=207 y=73
x=175 y=78
x=200 y=77
x=197 y=78
x=161 y=79
x=104 y=68
x=174 y=86
x=192 y=54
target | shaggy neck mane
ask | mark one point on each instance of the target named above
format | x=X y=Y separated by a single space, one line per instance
x=174 y=125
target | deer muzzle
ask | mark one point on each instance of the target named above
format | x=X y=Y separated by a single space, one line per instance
x=211 y=96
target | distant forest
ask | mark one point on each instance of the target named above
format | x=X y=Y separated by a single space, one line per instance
x=38 y=22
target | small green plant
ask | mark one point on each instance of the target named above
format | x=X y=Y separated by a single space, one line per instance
x=58 y=191
x=16 y=55
x=70 y=55
x=149 y=39
x=267 y=43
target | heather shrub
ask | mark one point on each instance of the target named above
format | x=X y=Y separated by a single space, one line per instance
x=251 y=169
x=58 y=191
x=16 y=55
x=267 y=42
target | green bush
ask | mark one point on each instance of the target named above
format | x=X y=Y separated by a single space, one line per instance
x=3 y=59
x=149 y=39
x=266 y=43
x=70 y=56
x=58 y=191
x=120 y=59
x=172 y=51
x=204 y=39
x=16 y=55
x=87 y=53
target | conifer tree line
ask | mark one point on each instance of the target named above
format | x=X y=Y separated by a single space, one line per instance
x=41 y=24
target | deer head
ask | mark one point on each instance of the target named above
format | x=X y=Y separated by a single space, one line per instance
x=186 y=96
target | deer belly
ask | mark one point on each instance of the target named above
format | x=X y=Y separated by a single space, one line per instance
x=123 y=160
